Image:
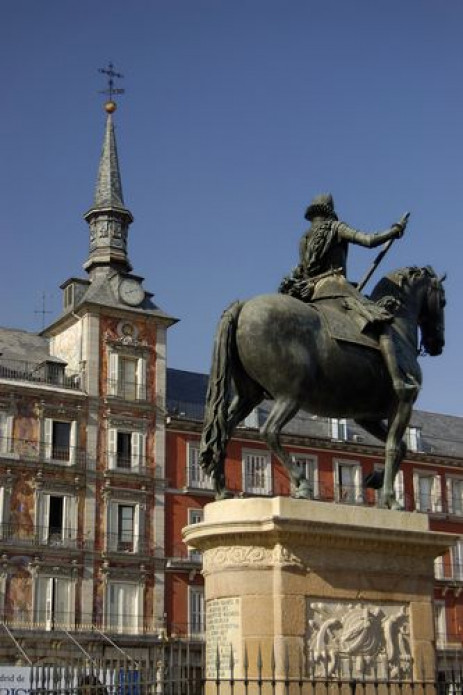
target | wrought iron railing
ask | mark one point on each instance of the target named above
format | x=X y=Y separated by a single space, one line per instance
x=127 y=391
x=40 y=372
x=49 y=536
x=45 y=452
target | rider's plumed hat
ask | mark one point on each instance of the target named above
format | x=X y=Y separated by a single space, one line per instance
x=321 y=206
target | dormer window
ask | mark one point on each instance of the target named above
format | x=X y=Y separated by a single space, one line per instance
x=338 y=429
x=413 y=439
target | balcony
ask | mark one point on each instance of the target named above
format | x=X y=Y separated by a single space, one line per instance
x=39 y=537
x=31 y=450
x=127 y=391
x=49 y=373
x=183 y=558
x=127 y=544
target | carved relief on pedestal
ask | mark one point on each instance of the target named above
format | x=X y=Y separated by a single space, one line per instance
x=361 y=640
x=251 y=556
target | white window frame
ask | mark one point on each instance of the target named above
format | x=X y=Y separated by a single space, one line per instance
x=196 y=477
x=434 y=503
x=454 y=501
x=6 y=439
x=310 y=466
x=250 y=459
x=48 y=424
x=112 y=537
x=117 y=622
x=114 y=385
x=339 y=429
x=45 y=593
x=69 y=525
x=195 y=516
x=138 y=449
x=354 y=496
x=196 y=612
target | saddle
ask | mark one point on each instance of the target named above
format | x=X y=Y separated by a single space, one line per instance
x=342 y=324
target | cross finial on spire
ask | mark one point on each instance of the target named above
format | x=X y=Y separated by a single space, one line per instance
x=110 y=105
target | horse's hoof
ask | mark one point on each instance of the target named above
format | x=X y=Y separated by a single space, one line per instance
x=223 y=495
x=303 y=491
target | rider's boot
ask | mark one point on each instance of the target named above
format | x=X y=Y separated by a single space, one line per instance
x=405 y=388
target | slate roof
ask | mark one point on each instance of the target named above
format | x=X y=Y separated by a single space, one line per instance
x=441 y=435
x=21 y=345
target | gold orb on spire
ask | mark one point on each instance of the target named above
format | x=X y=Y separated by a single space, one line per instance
x=110 y=106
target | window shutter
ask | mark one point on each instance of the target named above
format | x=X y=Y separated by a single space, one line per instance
x=112 y=525
x=141 y=379
x=2 y=506
x=8 y=444
x=334 y=424
x=358 y=484
x=450 y=493
x=48 y=437
x=113 y=373
x=112 y=448
x=73 y=443
x=437 y=494
x=44 y=518
x=399 y=488
x=138 y=440
x=69 y=517
x=49 y=603
x=416 y=491
x=136 y=529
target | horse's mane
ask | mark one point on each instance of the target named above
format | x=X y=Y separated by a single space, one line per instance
x=392 y=284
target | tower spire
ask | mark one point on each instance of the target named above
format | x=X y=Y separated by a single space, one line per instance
x=108 y=218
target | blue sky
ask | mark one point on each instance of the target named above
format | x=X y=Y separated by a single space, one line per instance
x=236 y=114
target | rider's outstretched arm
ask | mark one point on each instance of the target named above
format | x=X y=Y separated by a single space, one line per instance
x=370 y=240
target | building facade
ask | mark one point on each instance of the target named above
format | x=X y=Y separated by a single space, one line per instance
x=99 y=468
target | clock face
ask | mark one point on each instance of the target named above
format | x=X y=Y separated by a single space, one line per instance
x=131 y=292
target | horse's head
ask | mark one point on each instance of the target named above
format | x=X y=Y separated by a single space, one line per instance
x=431 y=318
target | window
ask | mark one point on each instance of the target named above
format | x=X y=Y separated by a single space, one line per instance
x=457 y=561
x=427 y=490
x=440 y=622
x=124 y=527
x=54 y=603
x=196 y=477
x=57 y=519
x=126 y=450
x=309 y=467
x=195 y=516
x=257 y=473
x=195 y=611
x=338 y=428
x=123 y=609
x=455 y=496
x=413 y=438
x=60 y=440
x=348 y=482
x=6 y=433
x=127 y=377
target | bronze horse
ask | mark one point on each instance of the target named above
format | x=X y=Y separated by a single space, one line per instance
x=275 y=346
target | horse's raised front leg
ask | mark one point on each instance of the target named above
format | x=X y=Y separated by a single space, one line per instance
x=283 y=411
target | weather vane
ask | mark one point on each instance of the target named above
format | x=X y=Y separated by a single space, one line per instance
x=110 y=105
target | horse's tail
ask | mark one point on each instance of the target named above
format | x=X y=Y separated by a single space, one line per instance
x=215 y=432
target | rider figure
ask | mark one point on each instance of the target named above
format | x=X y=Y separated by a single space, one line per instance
x=321 y=274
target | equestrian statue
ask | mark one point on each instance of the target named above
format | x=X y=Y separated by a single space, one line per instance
x=320 y=345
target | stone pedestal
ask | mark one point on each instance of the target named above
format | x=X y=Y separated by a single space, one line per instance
x=332 y=589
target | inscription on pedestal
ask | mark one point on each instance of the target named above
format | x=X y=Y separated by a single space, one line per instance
x=223 y=621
